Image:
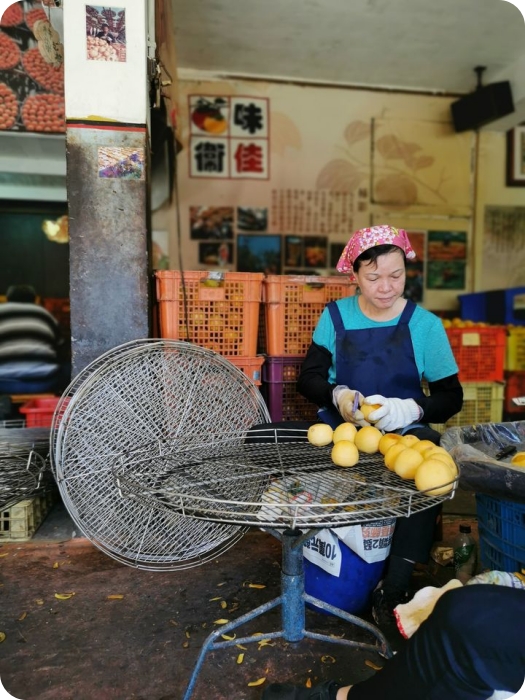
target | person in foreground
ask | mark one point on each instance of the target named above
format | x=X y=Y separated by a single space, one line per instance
x=376 y=348
x=471 y=647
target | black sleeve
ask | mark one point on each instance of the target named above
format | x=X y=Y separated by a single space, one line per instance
x=445 y=400
x=313 y=382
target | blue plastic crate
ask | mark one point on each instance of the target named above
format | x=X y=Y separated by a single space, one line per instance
x=501 y=526
x=473 y=307
x=498 y=306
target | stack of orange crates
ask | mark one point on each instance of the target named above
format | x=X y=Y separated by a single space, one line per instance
x=215 y=310
x=292 y=307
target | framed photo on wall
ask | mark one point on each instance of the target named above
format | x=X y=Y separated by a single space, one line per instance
x=516 y=156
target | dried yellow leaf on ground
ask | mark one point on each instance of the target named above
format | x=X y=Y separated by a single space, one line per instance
x=240 y=646
x=185 y=645
x=327 y=659
x=256 y=585
x=216 y=598
x=115 y=596
x=265 y=643
x=240 y=658
x=224 y=604
x=55 y=565
x=371 y=664
x=64 y=596
x=260 y=681
x=308 y=683
x=220 y=622
x=2 y=636
x=22 y=617
x=188 y=634
x=5 y=554
x=228 y=637
x=39 y=601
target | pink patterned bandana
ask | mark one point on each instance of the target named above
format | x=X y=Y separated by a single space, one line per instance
x=367 y=238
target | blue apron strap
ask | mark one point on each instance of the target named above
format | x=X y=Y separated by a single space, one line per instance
x=336 y=317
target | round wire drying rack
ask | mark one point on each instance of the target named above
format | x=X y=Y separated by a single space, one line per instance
x=23 y=462
x=164 y=457
x=146 y=392
x=268 y=478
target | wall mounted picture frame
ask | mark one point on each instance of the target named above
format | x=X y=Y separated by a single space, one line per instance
x=516 y=157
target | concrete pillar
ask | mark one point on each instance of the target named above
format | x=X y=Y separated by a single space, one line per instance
x=106 y=95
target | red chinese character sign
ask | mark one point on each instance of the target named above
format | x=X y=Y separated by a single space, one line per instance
x=229 y=137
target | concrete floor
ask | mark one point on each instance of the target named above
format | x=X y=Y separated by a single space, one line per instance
x=145 y=643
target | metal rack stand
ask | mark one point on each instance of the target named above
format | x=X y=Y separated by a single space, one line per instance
x=293 y=601
x=282 y=485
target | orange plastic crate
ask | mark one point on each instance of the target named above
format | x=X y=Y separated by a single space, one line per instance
x=479 y=352
x=218 y=311
x=39 y=412
x=251 y=366
x=293 y=305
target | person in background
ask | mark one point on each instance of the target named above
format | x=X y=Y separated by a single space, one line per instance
x=471 y=647
x=29 y=345
x=377 y=347
x=105 y=34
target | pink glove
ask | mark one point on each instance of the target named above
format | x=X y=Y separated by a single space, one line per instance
x=394 y=413
x=343 y=399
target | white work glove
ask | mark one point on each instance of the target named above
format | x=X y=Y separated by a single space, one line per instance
x=394 y=413
x=343 y=399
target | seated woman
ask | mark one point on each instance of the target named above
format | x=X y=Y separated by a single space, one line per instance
x=29 y=342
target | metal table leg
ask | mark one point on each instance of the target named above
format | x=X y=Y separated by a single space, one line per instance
x=293 y=601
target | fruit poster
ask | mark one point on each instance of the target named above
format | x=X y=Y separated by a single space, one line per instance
x=416 y=268
x=211 y=223
x=106 y=33
x=447 y=259
x=229 y=137
x=119 y=162
x=31 y=90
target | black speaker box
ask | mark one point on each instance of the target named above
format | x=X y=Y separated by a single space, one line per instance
x=483 y=106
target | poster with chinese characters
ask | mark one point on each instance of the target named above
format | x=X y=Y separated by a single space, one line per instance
x=312 y=211
x=229 y=137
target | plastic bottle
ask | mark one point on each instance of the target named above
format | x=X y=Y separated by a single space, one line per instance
x=464 y=554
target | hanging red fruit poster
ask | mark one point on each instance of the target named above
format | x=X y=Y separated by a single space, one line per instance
x=31 y=89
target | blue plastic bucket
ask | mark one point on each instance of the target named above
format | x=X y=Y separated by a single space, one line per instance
x=352 y=589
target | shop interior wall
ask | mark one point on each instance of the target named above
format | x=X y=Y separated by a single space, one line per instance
x=395 y=156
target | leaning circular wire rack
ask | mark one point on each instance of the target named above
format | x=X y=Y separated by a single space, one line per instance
x=148 y=395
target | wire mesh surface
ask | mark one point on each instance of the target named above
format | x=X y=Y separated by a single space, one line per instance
x=148 y=392
x=23 y=462
x=277 y=484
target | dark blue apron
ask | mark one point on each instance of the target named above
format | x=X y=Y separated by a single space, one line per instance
x=374 y=361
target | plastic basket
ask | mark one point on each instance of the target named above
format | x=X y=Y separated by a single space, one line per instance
x=515 y=355
x=482 y=403
x=21 y=521
x=251 y=366
x=280 y=393
x=479 y=352
x=293 y=305
x=218 y=311
x=501 y=526
x=39 y=412
x=514 y=387
x=473 y=307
